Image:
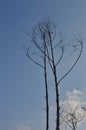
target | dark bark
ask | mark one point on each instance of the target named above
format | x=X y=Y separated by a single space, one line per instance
x=46 y=89
x=56 y=87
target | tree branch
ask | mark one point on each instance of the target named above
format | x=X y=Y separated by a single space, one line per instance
x=28 y=55
x=81 y=45
x=60 y=56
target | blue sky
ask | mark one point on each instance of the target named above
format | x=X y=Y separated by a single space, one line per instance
x=21 y=82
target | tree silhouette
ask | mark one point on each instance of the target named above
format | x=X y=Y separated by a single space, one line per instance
x=48 y=48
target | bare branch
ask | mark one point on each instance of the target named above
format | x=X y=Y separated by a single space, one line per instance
x=59 y=42
x=40 y=48
x=66 y=121
x=28 y=55
x=62 y=50
x=81 y=45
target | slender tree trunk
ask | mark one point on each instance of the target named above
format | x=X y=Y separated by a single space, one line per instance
x=46 y=89
x=47 y=104
x=57 y=112
x=57 y=101
x=56 y=88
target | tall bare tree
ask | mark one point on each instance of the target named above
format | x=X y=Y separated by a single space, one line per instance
x=50 y=47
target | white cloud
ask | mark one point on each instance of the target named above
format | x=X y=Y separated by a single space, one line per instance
x=75 y=94
x=21 y=126
x=74 y=98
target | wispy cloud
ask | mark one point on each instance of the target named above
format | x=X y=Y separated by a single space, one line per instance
x=74 y=94
x=73 y=98
x=76 y=97
x=21 y=126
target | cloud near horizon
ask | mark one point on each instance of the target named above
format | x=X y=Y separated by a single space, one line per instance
x=21 y=126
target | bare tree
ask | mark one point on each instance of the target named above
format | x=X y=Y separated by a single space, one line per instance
x=38 y=38
x=72 y=114
x=50 y=47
